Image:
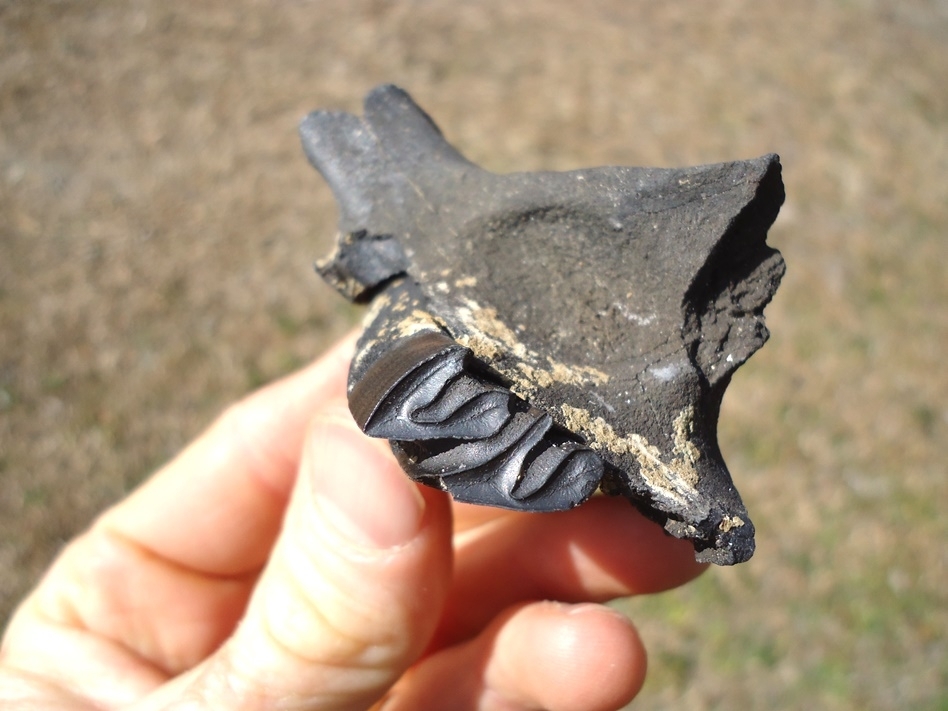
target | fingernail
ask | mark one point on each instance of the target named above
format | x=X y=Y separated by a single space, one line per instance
x=359 y=487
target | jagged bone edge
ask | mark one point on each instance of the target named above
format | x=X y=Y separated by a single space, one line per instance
x=451 y=427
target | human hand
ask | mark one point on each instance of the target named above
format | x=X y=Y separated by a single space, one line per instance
x=284 y=561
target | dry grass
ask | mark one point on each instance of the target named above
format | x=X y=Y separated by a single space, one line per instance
x=159 y=221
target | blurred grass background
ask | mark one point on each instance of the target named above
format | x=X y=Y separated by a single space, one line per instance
x=158 y=222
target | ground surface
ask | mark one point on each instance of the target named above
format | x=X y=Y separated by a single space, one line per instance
x=159 y=221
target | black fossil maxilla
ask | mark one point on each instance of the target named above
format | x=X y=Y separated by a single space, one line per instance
x=534 y=337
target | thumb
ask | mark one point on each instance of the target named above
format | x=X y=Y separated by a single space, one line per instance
x=354 y=588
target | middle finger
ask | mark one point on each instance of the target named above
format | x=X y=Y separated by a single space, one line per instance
x=599 y=551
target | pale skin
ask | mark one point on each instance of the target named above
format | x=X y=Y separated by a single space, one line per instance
x=284 y=561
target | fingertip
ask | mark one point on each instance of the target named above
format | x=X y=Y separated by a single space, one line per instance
x=540 y=655
x=614 y=654
x=358 y=487
x=583 y=657
x=673 y=561
x=651 y=560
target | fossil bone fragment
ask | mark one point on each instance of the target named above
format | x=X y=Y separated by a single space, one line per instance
x=534 y=337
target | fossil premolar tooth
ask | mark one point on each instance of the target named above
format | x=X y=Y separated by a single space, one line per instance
x=536 y=336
